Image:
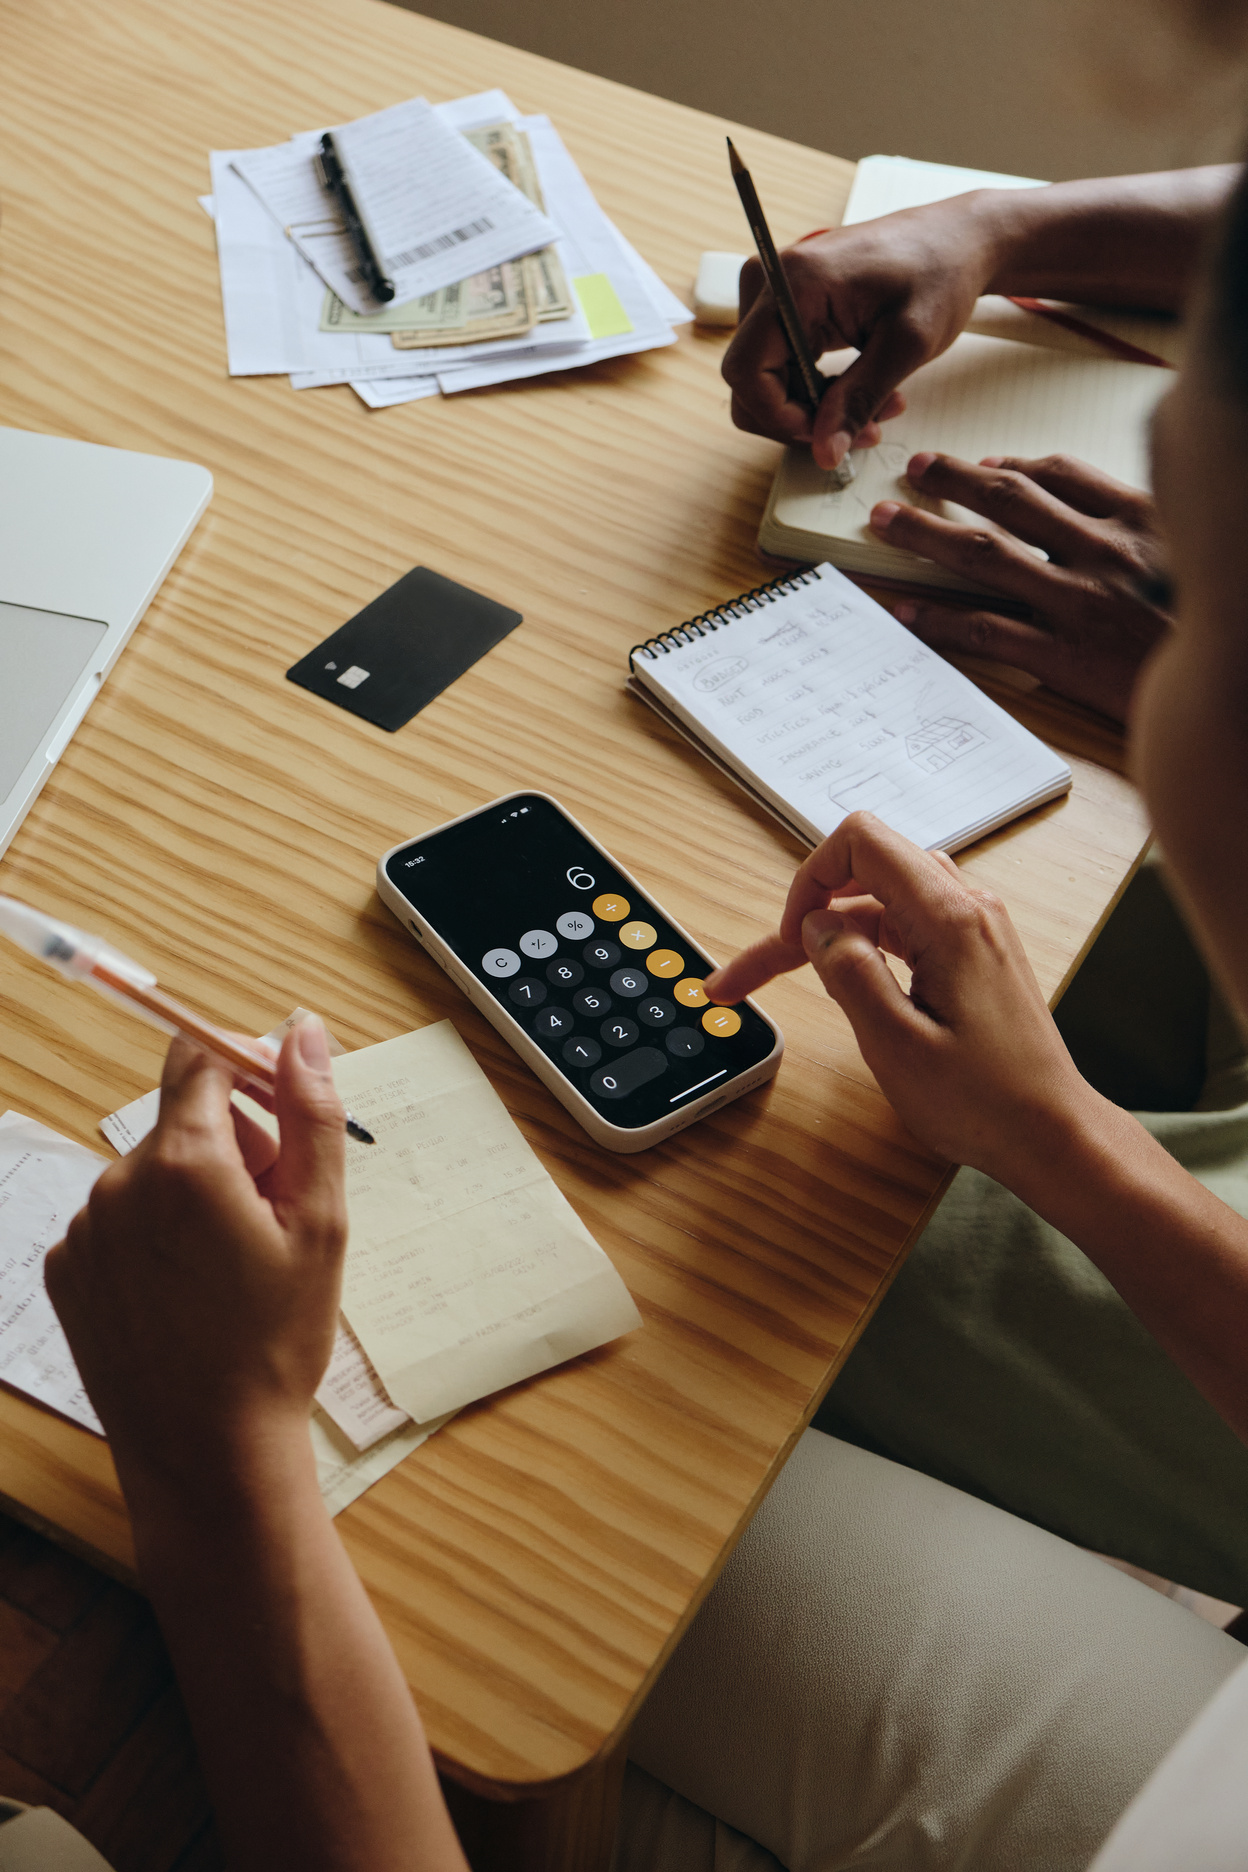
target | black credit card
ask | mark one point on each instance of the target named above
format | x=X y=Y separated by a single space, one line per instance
x=404 y=648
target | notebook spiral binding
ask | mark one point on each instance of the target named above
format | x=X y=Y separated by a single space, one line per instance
x=709 y=621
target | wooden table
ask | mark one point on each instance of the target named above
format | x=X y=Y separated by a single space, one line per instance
x=536 y=1561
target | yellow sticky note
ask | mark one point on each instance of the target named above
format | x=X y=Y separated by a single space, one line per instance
x=604 y=314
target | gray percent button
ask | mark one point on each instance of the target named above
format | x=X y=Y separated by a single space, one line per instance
x=501 y=962
x=575 y=925
x=625 y=1075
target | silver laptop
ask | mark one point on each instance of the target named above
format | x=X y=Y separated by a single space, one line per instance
x=87 y=534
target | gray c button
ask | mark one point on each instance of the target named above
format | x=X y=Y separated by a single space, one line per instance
x=502 y=962
x=623 y=1076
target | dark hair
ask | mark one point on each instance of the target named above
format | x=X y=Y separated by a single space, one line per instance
x=1228 y=299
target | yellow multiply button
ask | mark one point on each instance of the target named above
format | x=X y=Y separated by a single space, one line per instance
x=638 y=935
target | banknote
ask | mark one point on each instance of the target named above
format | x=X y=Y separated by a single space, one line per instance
x=510 y=150
x=493 y=304
x=502 y=296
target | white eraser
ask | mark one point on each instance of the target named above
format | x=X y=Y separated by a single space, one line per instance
x=715 y=297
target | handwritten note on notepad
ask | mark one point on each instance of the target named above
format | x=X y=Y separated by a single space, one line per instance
x=819 y=703
x=467 y=1270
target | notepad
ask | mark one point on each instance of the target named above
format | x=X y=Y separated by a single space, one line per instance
x=1012 y=384
x=818 y=703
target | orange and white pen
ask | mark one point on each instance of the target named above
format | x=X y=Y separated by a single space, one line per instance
x=86 y=958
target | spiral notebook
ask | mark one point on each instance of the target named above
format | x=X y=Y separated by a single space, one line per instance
x=818 y=703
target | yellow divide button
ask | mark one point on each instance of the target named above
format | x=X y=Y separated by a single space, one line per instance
x=722 y=1022
x=664 y=962
x=610 y=908
x=638 y=935
x=691 y=993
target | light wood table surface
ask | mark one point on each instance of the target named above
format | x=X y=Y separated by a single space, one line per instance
x=537 y=1560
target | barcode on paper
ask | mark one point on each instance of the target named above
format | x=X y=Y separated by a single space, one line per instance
x=413 y=254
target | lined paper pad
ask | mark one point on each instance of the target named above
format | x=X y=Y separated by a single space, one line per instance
x=821 y=704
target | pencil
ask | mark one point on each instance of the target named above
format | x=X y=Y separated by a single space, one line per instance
x=812 y=383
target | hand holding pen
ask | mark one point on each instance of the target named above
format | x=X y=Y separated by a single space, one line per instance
x=85 y=958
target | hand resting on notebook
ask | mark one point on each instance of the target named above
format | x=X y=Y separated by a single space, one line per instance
x=1095 y=602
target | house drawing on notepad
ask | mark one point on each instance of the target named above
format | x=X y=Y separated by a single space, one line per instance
x=937 y=744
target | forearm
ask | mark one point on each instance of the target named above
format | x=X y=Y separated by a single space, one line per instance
x=1176 y=1254
x=312 y=1748
x=1124 y=240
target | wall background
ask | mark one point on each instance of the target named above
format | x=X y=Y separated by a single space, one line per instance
x=1045 y=88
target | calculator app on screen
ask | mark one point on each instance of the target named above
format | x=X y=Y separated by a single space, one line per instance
x=590 y=969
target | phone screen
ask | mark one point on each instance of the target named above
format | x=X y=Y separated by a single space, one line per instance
x=590 y=968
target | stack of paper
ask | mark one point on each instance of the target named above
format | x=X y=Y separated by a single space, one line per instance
x=553 y=283
x=467 y=1270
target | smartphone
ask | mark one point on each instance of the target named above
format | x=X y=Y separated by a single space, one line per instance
x=595 y=986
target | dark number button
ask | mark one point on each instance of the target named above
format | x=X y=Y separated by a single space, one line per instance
x=582 y=1052
x=592 y=1001
x=620 y=1077
x=685 y=1042
x=619 y=1032
x=655 y=1012
x=565 y=974
x=527 y=993
x=602 y=954
x=552 y=1022
x=630 y=982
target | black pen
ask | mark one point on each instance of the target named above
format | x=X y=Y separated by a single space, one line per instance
x=333 y=173
x=812 y=383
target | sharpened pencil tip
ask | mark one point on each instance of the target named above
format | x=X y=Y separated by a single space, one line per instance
x=356 y=1130
x=738 y=167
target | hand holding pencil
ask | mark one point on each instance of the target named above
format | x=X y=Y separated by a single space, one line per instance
x=898 y=290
